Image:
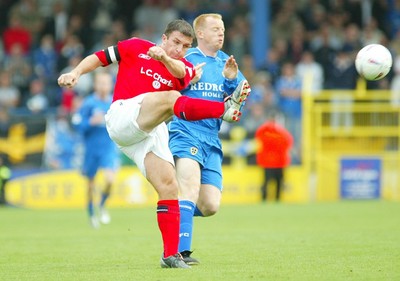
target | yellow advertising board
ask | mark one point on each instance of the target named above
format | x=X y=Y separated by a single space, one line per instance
x=67 y=189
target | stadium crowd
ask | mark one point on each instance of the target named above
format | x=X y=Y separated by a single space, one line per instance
x=43 y=38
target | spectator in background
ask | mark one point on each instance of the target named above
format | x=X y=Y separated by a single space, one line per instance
x=289 y=89
x=190 y=9
x=371 y=34
x=238 y=38
x=72 y=47
x=297 y=43
x=254 y=118
x=283 y=21
x=272 y=63
x=324 y=47
x=102 y=20
x=18 y=64
x=393 y=17
x=342 y=72
x=9 y=94
x=352 y=38
x=44 y=60
x=308 y=68
x=262 y=100
x=100 y=150
x=273 y=153
x=144 y=17
x=37 y=101
x=342 y=75
x=78 y=26
x=118 y=29
x=31 y=19
x=16 y=33
x=313 y=16
x=57 y=23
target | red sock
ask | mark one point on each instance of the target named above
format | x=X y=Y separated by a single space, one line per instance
x=196 y=109
x=168 y=218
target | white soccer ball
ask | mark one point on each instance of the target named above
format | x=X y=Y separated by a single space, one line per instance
x=373 y=62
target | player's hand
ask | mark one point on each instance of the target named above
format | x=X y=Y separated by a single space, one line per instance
x=199 y=72
x=157 y=53
x=231 y=68
x=68 y=80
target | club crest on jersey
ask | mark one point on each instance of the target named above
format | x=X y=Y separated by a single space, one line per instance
x=156 y=85
x=193 y=150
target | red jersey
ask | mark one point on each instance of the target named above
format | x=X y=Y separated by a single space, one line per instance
x=138 y=73
x=276 y=142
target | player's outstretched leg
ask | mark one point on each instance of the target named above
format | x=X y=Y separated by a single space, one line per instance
x=234 y=102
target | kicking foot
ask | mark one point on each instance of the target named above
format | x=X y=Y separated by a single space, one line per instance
x=234 y=102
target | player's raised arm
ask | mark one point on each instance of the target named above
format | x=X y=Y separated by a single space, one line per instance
x=71 y=78
x=174 y=66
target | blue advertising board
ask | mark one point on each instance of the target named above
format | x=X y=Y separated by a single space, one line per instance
x=360 y=178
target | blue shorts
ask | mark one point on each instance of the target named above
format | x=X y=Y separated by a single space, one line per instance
x=201 y=147
x=96 y=159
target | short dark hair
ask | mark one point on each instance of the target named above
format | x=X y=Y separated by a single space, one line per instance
x=180 y=25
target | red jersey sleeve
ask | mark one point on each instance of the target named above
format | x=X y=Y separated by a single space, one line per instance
x=190 y=73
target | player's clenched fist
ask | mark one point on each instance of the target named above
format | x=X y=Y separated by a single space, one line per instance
x=156 y=53
x=68 y=80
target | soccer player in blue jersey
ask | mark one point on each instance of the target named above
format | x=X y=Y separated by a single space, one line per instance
x=100 y=150
x=195 y=145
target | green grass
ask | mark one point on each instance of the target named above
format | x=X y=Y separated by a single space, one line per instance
x=350 y=240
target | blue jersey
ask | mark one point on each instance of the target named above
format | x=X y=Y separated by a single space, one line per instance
x=100 y=150
x=211 y=86
x=198 y=140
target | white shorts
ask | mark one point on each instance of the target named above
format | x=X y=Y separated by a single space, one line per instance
x=133 y=142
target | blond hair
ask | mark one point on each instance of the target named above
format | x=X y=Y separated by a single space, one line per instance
x=199 y=21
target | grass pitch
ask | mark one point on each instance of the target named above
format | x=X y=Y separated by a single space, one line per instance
x=348 y=240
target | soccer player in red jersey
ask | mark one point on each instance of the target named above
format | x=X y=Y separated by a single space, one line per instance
x=145 y=96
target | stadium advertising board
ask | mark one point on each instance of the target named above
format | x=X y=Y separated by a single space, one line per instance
x=360 y=178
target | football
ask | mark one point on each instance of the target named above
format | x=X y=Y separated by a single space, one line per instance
x=373 y=62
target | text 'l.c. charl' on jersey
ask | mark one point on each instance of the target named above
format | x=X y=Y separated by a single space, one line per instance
x=139 y=73
x=211 y=86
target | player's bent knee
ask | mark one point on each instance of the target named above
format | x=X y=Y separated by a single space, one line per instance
x=210 y=210
x=173 y=96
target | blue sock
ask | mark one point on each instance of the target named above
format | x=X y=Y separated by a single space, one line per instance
x=197 y=213
x=186 y=228
x=103 y=199
x=90 y=208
